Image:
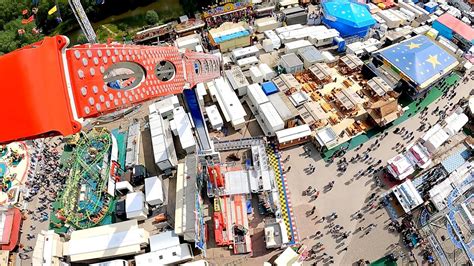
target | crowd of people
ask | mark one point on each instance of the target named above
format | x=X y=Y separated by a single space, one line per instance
x=318 y=253
x=45 y=179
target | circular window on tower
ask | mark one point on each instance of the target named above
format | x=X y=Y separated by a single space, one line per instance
x=165 y=70
x=124 y=75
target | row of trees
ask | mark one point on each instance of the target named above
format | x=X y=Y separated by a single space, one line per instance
x=11 y=15
x=10 y=24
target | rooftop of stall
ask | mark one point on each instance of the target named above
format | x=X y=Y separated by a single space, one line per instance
x=455 y=25
x=269 y=88
x=420 y=59
x=347 y=17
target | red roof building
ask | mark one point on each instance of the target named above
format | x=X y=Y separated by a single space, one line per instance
x=10 y=224
x=457 y=26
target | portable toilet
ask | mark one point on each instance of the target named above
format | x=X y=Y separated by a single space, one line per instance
x=431 y=7
x=341 y=44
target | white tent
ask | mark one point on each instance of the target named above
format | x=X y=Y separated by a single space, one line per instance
x=434 y=138
x=455 y=122
x=400 y=167
x=135 y=206
x=154 y=190
x=418 y=154
x=288 y=258
x=407 y=195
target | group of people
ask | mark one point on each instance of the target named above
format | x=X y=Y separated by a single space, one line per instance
x=45 y=179
x=338 y=234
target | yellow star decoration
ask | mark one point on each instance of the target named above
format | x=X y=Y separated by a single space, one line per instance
x=433 y=59
x=413 y=45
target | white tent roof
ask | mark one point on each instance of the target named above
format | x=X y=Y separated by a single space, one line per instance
x=407 y=195
x=400 y=166
x=154 y=189
x=325 y=136
x=434 y=138
x=163 y=240
x=288 y=258
x=471 y=101
x=419 y=155
x=455 y=122
x=134 y=201
x=236 y=182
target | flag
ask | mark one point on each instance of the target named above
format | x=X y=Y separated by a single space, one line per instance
x=53 y=10
x=26 y=21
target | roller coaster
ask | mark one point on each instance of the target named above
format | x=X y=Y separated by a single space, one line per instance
x=84 y=201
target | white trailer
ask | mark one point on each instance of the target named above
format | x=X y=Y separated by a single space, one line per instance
x=267 y=23
x=214 y=117
x=246 y=63
x=256 y=75
x=292 y=47
x=392 y=20
x=135 y=206
x=267 y=72
x=184 y=128
x=271 y=118
x=244 y=52
x=162 y=140
x=269 y=34
x=256 y=95
x=154 y=191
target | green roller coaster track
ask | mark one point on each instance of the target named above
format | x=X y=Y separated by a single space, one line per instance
x=85 y=172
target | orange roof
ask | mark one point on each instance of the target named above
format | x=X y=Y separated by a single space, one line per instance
x=461 y=28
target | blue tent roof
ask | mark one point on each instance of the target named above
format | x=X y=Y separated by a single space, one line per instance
x=232 y=36
x=353 y=14
x=455 y=161
x=419 y=58
x=269 y=88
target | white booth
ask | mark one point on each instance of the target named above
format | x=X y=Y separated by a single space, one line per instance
x=135 y=206
x=154 y=191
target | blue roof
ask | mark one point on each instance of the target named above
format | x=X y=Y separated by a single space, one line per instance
x=419 y=58
x=269 y=88
x=455 y=161
x=353 y=14
x=231 y=36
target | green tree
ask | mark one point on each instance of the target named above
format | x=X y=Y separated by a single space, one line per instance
x=10 y=39
x=8 y=42
x=152 y=17
x=10 y=10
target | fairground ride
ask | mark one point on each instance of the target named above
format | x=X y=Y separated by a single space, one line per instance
x=56 y=88
x=84 y=201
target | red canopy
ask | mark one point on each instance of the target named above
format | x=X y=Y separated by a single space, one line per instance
x=13 y=217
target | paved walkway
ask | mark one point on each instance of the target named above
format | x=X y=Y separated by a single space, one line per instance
x=349 y=195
